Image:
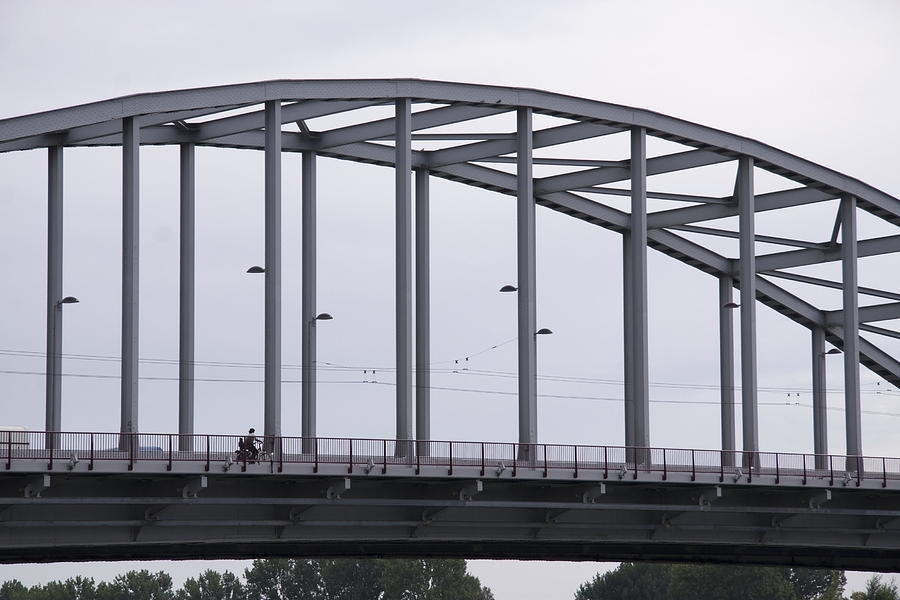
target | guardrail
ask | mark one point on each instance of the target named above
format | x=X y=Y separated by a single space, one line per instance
x=371 y=454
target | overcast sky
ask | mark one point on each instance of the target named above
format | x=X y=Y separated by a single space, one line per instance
x=814 y=78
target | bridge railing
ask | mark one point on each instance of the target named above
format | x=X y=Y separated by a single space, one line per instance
x=70 y=448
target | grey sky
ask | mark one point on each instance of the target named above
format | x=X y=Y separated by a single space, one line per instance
x=817 y=79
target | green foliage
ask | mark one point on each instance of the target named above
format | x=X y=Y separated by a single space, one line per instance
x=875 y=590
x=630 y=581
x=716 y=582
x=645 y=581
x=212 y=585
x=14 y=590
x=350 y=579
x=137 y=585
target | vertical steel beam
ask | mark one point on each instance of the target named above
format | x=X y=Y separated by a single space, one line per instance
x=628 y=343
x=130 y=273
x=272 y=403
x=746 y=224
x=851 y=330
x=726 y=367
x=403 y=281
x=819 y=398
x=308 y=300
x=53 y=410
x=186 y=303
x=423 y=313
x=527 y=296
x=640 y=360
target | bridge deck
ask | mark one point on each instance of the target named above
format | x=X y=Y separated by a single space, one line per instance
x=151 y=500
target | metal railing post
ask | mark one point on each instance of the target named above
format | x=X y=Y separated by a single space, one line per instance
x=693 y=466
x=206 y=468
x=605 y=463
x=316 y=455
x=350 y=460
x=515 y=459
x=750 y=467
x=418 y=459
x=8 y=450
x=130 y=451
x=384 y=458
x=777 y=470
x=482 y=459
x=575 y=475
x=50 y=446
x=545 y=460
x=450 y=470
x=859 y=470
x=91 y=462
x=804 y=469
x=281 y=453
x=665 y=466
x=245 y=453
x=883 y=472
x=830 y=470
x=169 y=466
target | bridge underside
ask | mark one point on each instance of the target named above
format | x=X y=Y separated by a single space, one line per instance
x=174 y=516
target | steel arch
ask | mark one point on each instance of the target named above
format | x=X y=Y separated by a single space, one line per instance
x=168 y=118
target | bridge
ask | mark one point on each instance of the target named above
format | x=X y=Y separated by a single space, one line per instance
x=134 y=494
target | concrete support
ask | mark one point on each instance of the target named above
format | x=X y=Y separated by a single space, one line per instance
x=527 y=298
x=638 y=237
x=272 y=403
x=53 y=410
x=726 y=367
x=628 y=346
x=186 y=303
x=746 y=219
x=404 y=289
x=130 y=274
x=851 y=330
x=423 y=313
x=308 y=300
x=819 y=398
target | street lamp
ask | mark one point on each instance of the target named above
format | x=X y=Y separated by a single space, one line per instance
x=256 y=269
x=308 y=398
x=54 y=372
x=731 y=305
x=834 y=351
x=509 y=288
x=543 y=331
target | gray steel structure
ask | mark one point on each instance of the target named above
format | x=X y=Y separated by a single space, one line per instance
x=170 y=118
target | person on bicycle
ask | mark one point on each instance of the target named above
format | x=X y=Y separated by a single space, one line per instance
x=250 y=444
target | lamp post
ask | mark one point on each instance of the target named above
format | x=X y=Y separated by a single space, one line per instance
x=54 y=373
x=308 y=392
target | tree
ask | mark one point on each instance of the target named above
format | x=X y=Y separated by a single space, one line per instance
x=645 y=581
x=876 y=590
x=817 y=584
x=137 y=585
x=449 y=579
x=283 y=579
x=78 y=588
x=14 y=590
x=630 y=581
x=725 y=582
x=351 y=579
x=212 y=585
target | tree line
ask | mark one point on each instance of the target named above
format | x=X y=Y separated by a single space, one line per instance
x=417 y=579
x=650 y=581
x=278 y=579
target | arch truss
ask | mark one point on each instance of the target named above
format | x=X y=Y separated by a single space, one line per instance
x=465 y=145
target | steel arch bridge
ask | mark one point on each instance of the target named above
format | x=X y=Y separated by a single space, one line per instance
x=668 y=502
